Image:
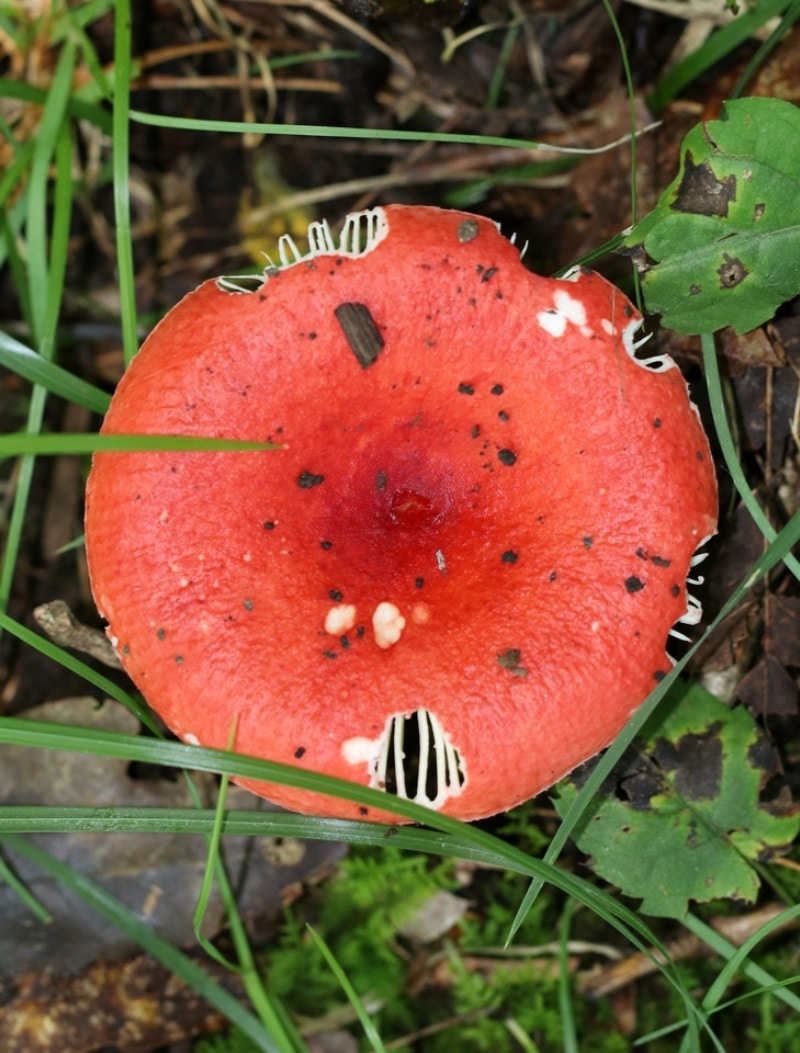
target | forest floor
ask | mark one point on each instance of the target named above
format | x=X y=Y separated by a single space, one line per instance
x=205 y=204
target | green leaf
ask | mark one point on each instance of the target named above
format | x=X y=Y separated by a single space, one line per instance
x=722 y=247
x=688 y=821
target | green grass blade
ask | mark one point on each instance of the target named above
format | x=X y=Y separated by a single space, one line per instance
x=23 y=488
x=629 y=90
x=765 y=49
x=495 y=88
x=21 y=360
x=718 y=45
x=10 y=254
x=84 y=443
x=728 y=448
x=36 y=232
x=194 y=124
x=78 y=109
x=370 y=1031
x=11 y=178
x=275 y=1021
x=565 y=1005
x=738 y=959
x=47 y=819
x=24 y=894
x=78 y=20
x=213 y=863
x=75 y=665
x=121 y=170
x=44 y=281
x=61 y=209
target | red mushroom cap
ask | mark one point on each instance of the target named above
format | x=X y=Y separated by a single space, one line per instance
x=456 y=577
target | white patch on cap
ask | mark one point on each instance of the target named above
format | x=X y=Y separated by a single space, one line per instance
x=190 y=739
x=361 y=750
x=573 y=310
x=420 y=614
x=552 y=322
x=387 y=625
x=340 y=619
x=566 y=310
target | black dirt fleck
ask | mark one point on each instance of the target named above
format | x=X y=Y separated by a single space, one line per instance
x=467 y=231
x=510 y=660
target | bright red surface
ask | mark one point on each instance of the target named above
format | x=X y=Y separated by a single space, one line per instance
x=563 y=486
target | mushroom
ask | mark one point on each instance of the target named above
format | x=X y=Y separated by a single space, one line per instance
x=455 y=577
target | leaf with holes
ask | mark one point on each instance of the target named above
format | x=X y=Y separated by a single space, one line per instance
x=687 y=821
x=722 y=247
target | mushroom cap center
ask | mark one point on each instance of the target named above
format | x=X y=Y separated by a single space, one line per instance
x=396 y=501
x=411 y=508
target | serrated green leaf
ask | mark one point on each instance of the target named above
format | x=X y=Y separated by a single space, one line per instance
x=691 y=821
x=722 y=247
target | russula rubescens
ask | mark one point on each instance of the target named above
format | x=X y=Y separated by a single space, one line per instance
x=455 y=578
